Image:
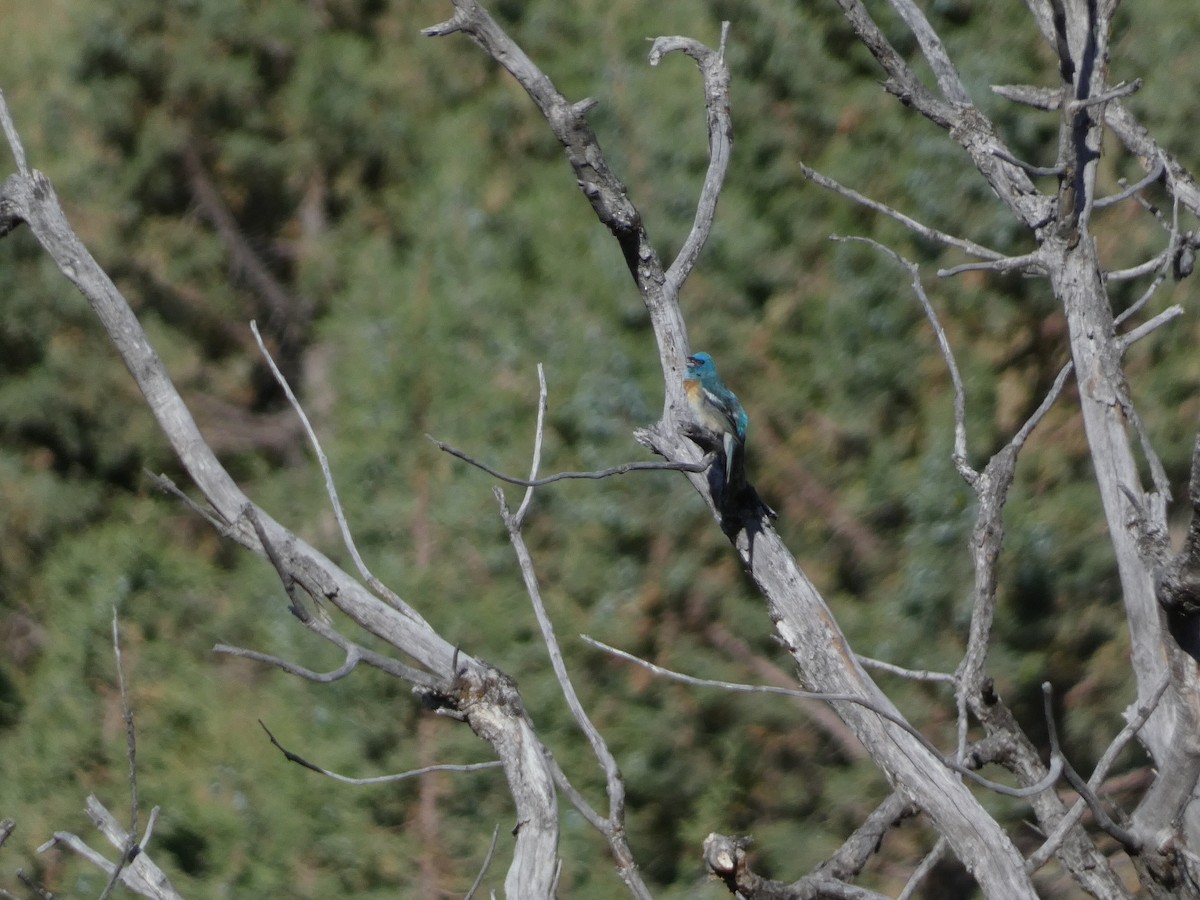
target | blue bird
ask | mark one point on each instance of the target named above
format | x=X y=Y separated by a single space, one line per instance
x=719 y=414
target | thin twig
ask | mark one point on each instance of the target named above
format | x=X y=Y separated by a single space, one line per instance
x=902 y=81
x=487 y=861
x=1046 y=783
x=924 y=231
x=613 y=827
x=913 y=674
x=130 y=731
x=1136 y=334
x=1165 y=261
x=1115 y=93
x=960 y=398
x=150 y=823
x=597 y=821
x=1043 y=854
x=538 y=440
x=1158 y=474
x=352 y=660
x=1052 y=395
x=820 y=714
x=1158 y=263
x=355 y=653
x=1037 y=171
x=1155 y=174
x=921 y=872
x=381 y=590
x=38 y=890
x=622 y=469
x=1127 y=840
x=599 y=747
x=378 y=779
x=167 y=486
x=131 y=845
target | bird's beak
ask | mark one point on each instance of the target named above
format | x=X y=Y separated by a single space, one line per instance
x=692 y=361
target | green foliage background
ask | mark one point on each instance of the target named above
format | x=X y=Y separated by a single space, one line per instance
x=409 y=200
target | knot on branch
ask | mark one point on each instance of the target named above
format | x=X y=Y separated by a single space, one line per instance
x=11 y=210
x=482 y=687
x=725 y=857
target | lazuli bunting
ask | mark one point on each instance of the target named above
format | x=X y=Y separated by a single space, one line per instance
x=720 y=417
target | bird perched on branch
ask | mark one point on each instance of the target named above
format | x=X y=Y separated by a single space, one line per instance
x=722 y=422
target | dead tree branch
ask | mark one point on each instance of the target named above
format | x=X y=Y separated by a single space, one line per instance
x=613 y=826
x=479 y=694
x=803 y=621
x=136 y=871
x=376 y=779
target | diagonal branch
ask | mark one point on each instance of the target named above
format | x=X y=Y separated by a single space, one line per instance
x=804 y=623
x=1155 y=173
x=596 y=178
x=353 y=658
x=38 y=206
x=375 y=584
x=930 y=234
x=966 y=124
x=902 y=81
x=949 y=81
x=850 y=858
x=487 y=861
x=464 y=687
x=895 y=718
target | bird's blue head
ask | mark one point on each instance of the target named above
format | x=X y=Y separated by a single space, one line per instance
x=700 y=365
